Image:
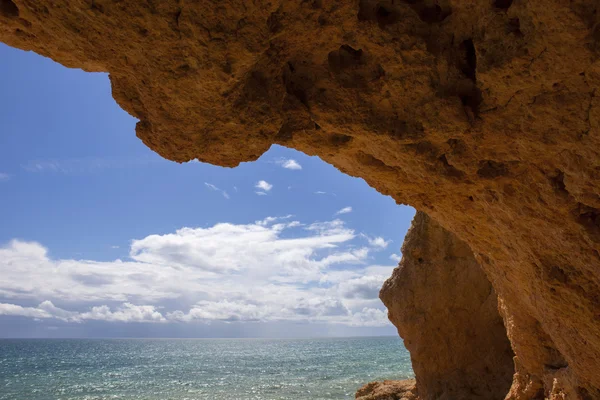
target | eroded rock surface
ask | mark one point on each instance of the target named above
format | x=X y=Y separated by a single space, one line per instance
x=388 y=390
x=483 y=114
x=446 y=311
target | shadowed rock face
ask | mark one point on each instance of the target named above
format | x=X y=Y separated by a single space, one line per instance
x=483 y=114
x=446 y=311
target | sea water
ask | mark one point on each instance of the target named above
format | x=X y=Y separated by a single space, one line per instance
x=188 y=369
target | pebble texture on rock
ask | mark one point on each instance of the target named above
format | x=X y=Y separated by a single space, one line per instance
x=483 y=114
x=446 y=311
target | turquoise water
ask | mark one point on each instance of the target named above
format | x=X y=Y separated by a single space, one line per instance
x=188 y=369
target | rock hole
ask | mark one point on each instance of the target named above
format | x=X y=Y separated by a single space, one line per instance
x=589 y=218
x=369 y=161
x=503 y=4
x=285 y=134
x=469 y=67
x=490 y=169
x=558 y=182
x=450 y=170
x=596 y=37
x=514 y=27
x=256 y=87
x=317 y=127
x=298 y=79
x=557 y=274
x=383 y=12
x=343 y=58
x=386 y=16
x=467 y=89
x=365 y=10
x=338 y=139
x=9 y=9
x=100 y=9
x=274 y=22
x=584 y=394
x=430 y=12
x=470 y=95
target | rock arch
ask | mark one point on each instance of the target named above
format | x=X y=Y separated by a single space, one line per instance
x=481 y=114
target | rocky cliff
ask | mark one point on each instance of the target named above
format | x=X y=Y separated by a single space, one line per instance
x=483 y=114
x=446 y=311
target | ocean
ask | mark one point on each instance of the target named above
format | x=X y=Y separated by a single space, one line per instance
x=193 y=369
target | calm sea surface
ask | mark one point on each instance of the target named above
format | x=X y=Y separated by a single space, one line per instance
x=191 y=369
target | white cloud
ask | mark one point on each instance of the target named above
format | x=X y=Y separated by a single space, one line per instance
x=378 y=242
x=32 y=312
x=395 y=257
x=125 y=313
x=288 y=163
x=263 y=185
x=216 y=189
x=291 y=164
x=4 y=177
x=260 y=193
x=344 y=210
x=320 y=192
x=275 y=269
x=114 y=247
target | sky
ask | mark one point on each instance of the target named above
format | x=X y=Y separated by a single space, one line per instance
x=101 y=237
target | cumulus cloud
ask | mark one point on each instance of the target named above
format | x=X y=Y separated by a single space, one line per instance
x=263 y=185
x=125 y=313
x=344 y=210
x=275 y=269
x=378 y=242
x=291 y=164
x=395 y=257
x=32 y=312
x=4 y=177
x=288 y=163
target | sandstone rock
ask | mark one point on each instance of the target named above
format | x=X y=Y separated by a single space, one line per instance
x=483 y=114
x=388 y=390
x=446 y=311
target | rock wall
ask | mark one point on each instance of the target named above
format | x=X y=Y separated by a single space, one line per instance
x=483 y=114
x=446 y=311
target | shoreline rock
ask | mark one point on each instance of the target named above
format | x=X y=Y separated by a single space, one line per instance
x=388 y=390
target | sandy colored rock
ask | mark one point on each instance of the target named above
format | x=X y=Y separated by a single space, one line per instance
x=483 y=114
x=388 y=390
x=446 y=311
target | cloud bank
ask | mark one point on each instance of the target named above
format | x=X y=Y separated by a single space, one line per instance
x=276 y=269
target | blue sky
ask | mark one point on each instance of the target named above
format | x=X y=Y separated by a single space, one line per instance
x=99 y=236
